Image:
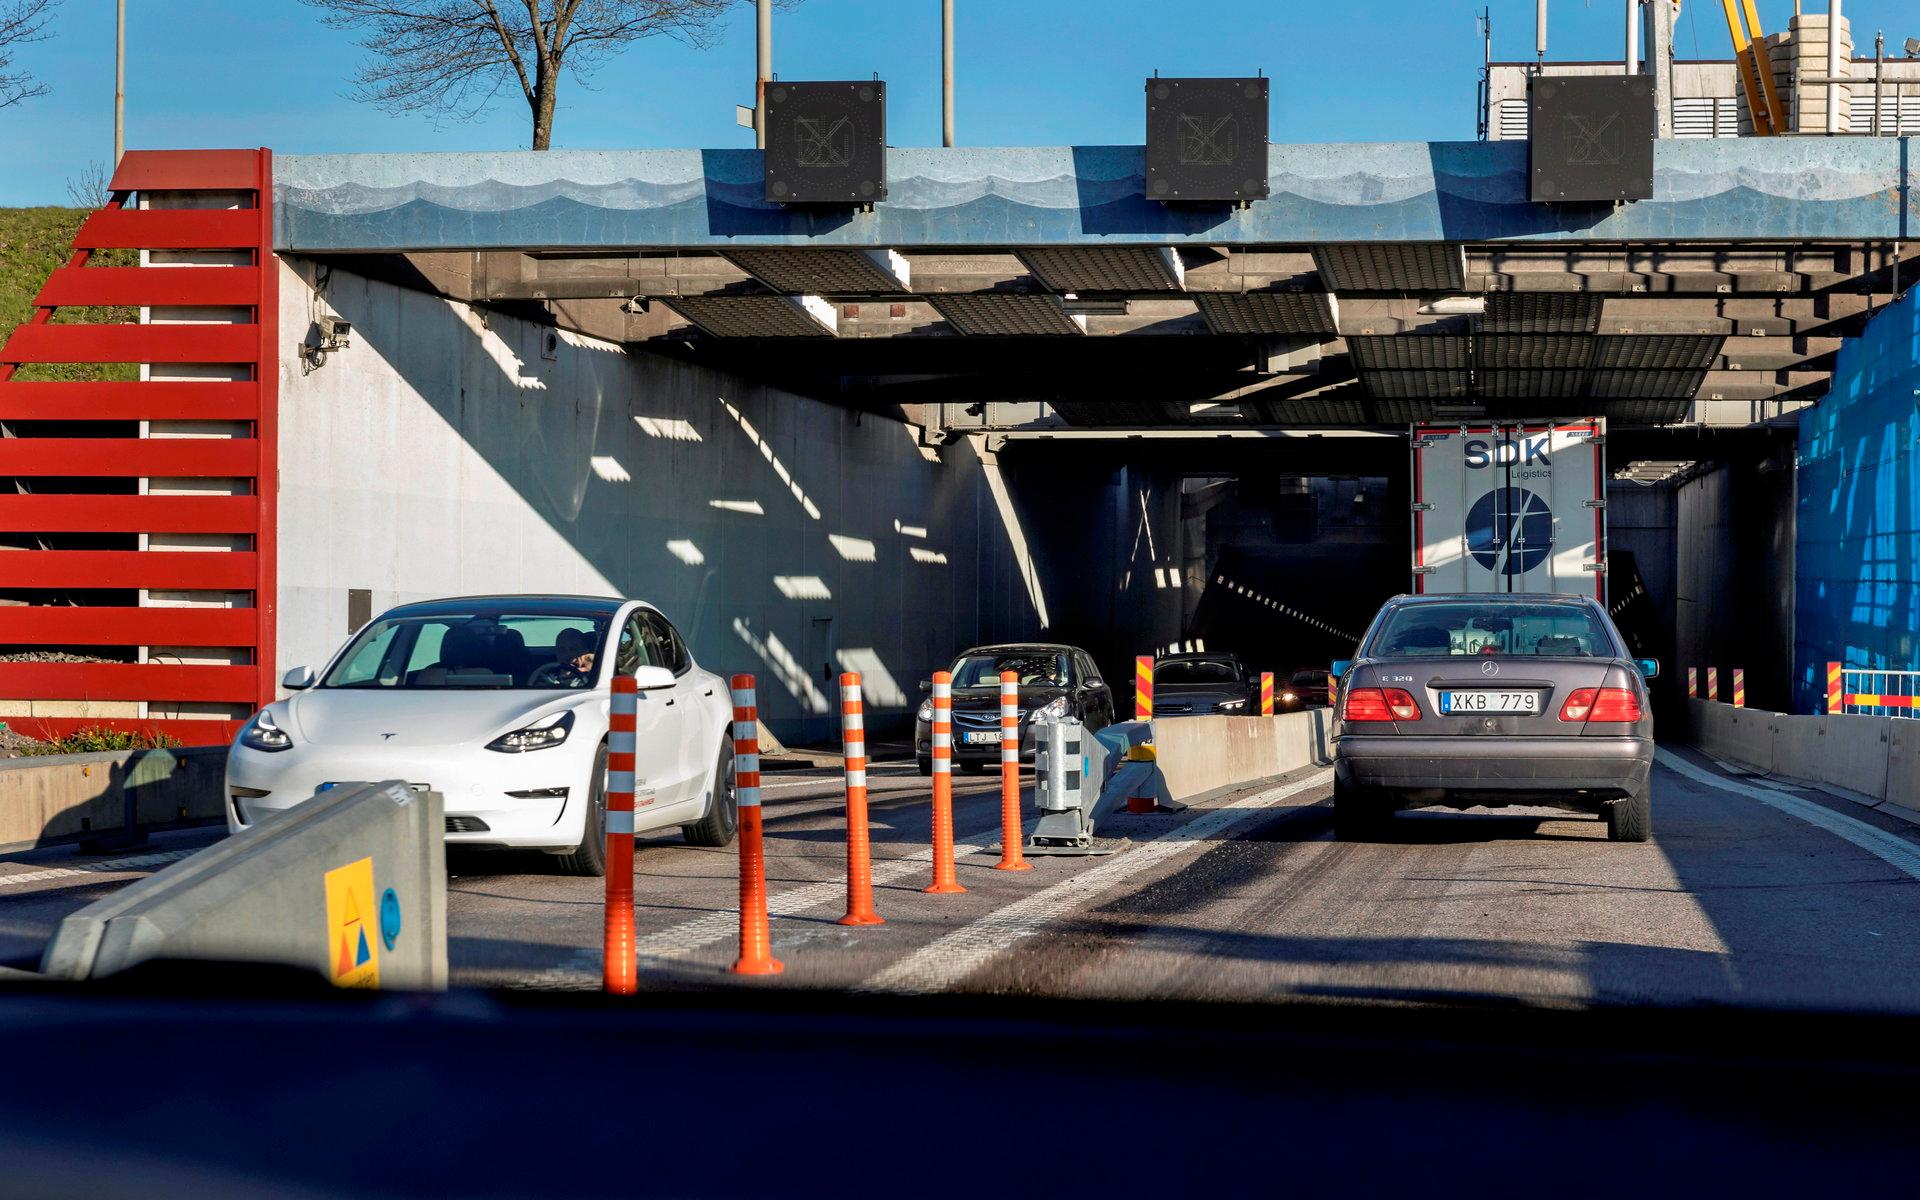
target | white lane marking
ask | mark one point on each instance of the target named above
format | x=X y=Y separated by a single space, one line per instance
x=1889 y=848
x=96 y=868
x=945 y=962
x=689 y=937
x=582 y=969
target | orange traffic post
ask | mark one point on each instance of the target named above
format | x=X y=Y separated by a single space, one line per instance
x=944 y=882
x=1010 y=832
x=1713 y=683
x=1143 y=688
x=756 y=941
x=1739 y=688
x=1266 y=693
x=620 y=969
x=1833 y=687
x=859 y=852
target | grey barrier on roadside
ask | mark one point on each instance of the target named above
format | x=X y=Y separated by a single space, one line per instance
x=352 y=884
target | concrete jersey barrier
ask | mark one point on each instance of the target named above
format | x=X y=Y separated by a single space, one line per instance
x=352 y=884
x=1875 y=757
x=69 y=797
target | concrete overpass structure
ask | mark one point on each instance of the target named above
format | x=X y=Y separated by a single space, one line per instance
x=1015 y=397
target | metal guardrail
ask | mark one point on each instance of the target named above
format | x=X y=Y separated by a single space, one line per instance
x=1869 y=692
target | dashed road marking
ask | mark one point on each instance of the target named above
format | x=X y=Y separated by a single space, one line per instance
x=1889 y=848
x=96 y=868
x=941 y=964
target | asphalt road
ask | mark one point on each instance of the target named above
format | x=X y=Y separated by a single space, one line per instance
x=1750 y=893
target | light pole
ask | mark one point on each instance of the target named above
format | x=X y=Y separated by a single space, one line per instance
x=946 y=72
x=119 y=80
x=763 y=70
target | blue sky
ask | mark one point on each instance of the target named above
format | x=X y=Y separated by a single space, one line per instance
x=1030 y=72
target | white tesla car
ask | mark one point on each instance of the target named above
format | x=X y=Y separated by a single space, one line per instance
x=499 y=703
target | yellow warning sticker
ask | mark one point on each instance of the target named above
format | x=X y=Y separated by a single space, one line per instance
x=353 y=953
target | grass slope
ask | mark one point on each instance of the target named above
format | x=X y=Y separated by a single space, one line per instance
x=34 y=241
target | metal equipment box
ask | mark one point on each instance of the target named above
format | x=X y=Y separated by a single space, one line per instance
x=1206 y=140
x=1592 y=138
x=826 y=142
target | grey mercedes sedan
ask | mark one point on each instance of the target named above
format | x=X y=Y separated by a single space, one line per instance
x=1468 y=700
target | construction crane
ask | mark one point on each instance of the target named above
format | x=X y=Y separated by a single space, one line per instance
x=1750 y=51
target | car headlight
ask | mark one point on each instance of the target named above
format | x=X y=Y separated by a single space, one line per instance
x=262 y=734
x=1288 y=696
x=1053 y=709
x=1230 y=706
x=541 y=735
x=926 y=710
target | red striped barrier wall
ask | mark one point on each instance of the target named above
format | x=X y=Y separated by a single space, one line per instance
x=72 y=496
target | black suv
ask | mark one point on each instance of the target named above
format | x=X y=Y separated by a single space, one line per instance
x=1054 y=678
x=1189 y=685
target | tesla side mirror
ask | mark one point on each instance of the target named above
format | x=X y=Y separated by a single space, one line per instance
x=1340 y=666
x=299 y=679
x=651 y=679
x=1650 y=668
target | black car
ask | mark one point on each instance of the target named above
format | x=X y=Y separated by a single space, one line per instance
x=1054 y=678
x=1467 y=700
x=1188 y=685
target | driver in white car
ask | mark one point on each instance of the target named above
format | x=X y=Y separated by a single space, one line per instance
x=572 y=664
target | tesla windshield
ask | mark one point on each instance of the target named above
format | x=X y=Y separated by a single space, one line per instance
x=473 y=650
x=1491 y=627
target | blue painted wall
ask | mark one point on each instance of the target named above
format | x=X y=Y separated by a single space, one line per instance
x=1857 y=582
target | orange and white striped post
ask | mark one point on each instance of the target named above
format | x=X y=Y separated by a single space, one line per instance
x=1739 y=688
x=1266 y=693
x=756 y=942
x=944 y=882
x=859 y=850
x=1143 y=688
x=1713 y=683
x=1693 y=683
x=1011 y=859
x=620 y=968
x=1834 y=704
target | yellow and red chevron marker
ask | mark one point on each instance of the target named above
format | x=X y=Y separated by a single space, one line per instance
x=1143 y=687
x=1835 y=702
x=1739 y=688
x=1266 y=693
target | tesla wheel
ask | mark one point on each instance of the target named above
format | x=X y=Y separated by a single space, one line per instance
x=926 y=766
x=1631 y=819
x=723 y=812
x=590 y=856
x=1359 y=815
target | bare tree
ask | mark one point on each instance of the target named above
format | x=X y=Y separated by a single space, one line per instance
x=21 y=21
x=89 y=188
x=453 y=57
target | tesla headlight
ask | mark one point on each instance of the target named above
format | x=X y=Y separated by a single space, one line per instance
x=1053 y=709
x=543 y=734
x=1230 y=706
x=926 y=710
x=262 y=734
x=1288 y=696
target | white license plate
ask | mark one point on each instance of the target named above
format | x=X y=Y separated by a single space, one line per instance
x=982 y=737
x=1487 y=700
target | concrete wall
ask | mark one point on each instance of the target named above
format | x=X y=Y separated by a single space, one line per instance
x=1874 y=757
x=1734 y=560
x=68 y=797
x=449 y=451
x=1857 y=573
x=1197 y=755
